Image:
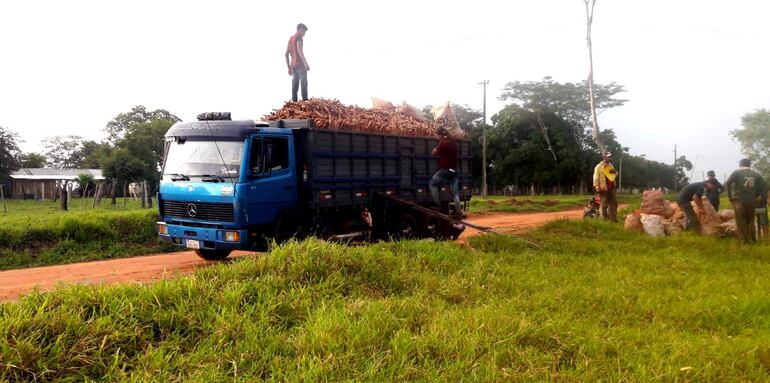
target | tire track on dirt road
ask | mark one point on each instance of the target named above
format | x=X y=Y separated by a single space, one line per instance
x=15 y=283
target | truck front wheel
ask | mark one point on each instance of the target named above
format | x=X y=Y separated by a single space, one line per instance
x=212 y=255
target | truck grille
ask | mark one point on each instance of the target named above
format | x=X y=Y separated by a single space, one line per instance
x=205 y=211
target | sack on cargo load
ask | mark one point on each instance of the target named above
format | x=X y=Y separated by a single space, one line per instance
x=710 y=223
x=653 y=225
x=727 y=215
x=654 y=202
x=445 y=118
x=673 y=226
x=633 y=223
x=411 y=111
x=380 y=104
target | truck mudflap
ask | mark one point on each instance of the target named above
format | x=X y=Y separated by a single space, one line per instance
x=200 y=238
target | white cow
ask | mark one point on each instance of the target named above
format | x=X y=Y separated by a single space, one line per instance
x=135 y=190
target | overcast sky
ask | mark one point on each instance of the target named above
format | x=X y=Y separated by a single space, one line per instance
x=692 y=68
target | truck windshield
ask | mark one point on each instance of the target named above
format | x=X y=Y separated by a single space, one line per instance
x=198 y=158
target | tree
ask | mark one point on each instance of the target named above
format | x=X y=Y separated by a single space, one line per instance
x=754 y=138
x=467 y=117
x=123 y=166
x=85 y=181
x=118 y=126
x=568 y=100
x=682 y=166
x=64 y=152
x=524 y=157
x=9 y=153
x=92 y=154
x=146 y=141
x=31 y=160
x=639 y=172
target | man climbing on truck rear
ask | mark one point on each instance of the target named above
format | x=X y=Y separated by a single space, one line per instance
x=446 y=150
x=297 y=63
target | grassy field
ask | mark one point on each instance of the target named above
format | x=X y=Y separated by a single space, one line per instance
x=35 y=233
x=544 y=203
x=591 y=303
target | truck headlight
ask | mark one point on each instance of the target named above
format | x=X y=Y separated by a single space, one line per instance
x=232 y=236
x=162 y=228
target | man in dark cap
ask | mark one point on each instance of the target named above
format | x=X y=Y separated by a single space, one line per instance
x=746 y=189
x=295 y=60
x=713 y=194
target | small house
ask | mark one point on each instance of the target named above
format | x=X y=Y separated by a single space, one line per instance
x=44 y=183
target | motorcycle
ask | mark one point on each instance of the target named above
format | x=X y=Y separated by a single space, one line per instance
x=592 y=208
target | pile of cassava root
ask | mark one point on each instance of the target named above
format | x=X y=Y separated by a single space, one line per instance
x=332 y=114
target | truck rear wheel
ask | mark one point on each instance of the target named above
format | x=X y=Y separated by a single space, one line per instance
x=212 y=255
x=405 y=227
x=453 y=232
x=430 y=227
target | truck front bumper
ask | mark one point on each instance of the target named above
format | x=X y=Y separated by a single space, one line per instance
x=207 y=238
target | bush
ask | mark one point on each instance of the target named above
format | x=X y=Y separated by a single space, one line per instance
x=44 y=239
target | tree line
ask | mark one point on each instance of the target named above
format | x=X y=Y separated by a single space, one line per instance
x=540 y=142
x=132 y=151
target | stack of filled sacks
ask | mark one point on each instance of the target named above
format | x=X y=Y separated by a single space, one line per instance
x=727 y=216
x=658 y=217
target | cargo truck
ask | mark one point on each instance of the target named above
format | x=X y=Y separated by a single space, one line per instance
x=229 y=185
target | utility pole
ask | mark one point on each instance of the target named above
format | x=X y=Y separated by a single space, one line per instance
x=676 y=179
x=484 y=143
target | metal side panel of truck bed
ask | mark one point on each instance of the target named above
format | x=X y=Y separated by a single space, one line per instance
x=344 y=168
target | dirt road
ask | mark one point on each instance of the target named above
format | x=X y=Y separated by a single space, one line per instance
x=513 y=223
x=14 y=283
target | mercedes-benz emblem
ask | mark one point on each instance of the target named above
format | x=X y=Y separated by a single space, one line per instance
x=192 y=210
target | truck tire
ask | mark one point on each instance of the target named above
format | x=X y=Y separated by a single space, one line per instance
x=212 y=255
x=453 y=233
x=430 y=227
x=287 y=227
x=405 y=227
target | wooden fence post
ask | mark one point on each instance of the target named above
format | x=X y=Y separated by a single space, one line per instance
x=143 y=194
x=114 y=192
x=63 y=196
x=2 y=196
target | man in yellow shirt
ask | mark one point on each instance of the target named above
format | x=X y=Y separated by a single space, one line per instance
x=605 y=176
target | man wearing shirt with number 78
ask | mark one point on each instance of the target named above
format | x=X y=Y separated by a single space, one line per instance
x=745 y=189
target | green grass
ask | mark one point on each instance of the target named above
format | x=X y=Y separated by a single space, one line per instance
x=31 y=208
x=592 y=303
x=36 y=233
x=530 y=204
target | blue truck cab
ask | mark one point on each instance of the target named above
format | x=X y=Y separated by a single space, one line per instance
x=230 y=185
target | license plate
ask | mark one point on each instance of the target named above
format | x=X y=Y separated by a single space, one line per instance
x=193 y=244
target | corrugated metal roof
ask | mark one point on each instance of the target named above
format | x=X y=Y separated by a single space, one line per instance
x=54 y=174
